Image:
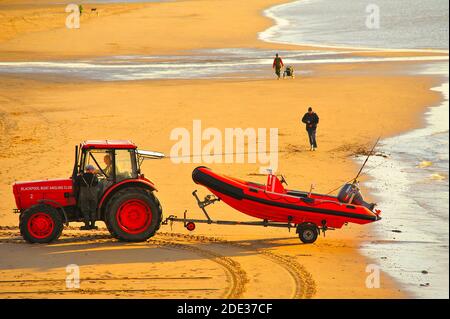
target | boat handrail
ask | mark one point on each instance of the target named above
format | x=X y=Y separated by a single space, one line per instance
x=299 y=198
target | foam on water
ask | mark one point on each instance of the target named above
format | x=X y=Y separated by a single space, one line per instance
x=222 y=63
x=412 y=188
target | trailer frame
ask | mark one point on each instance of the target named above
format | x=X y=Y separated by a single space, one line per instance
x=189 y=223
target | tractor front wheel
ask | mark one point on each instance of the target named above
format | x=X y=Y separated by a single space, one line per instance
x=41 y=224
x=132 y=214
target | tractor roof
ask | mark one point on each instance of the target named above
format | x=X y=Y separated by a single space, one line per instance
x=124 y=144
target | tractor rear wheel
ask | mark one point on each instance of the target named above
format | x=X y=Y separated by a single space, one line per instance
x=41 y=224
x=133 y=214
x=307 y=233
x=158 y=204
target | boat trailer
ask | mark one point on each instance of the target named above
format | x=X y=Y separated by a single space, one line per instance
x=190 y=223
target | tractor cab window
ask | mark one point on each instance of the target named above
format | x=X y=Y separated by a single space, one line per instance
x=112 y=165
x=102 y=160
x=125 y=164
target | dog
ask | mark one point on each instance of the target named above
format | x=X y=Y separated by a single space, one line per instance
x=289 y=71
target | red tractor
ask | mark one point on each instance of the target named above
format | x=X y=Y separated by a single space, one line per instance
x=126 y=200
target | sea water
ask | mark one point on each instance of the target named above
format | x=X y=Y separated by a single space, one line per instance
x=402 y=24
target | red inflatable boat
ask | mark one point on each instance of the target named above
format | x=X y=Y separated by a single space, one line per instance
x=308 y=211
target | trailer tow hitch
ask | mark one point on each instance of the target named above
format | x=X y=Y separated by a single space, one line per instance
x=189 y=224
x=209 y=200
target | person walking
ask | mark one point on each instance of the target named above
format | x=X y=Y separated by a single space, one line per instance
x=277 y=65
x=311 y=119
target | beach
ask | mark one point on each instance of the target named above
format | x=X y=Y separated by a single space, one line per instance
x=44 y=115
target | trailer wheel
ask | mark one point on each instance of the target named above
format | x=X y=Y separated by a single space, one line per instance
x=41 y=224
x=307 y=233
x=132 y=214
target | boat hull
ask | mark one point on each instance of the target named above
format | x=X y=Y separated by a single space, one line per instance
x=290 y=206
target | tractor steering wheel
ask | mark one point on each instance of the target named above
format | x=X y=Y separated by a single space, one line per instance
x=283 y=180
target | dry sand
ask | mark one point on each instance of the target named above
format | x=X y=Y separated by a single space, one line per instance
x=159 y=28
x=41 y=119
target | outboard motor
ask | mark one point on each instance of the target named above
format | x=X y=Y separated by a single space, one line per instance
x=351 y=194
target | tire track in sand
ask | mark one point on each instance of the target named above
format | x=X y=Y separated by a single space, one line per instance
x=305 y=287
x=235 y=273
x=304 y=284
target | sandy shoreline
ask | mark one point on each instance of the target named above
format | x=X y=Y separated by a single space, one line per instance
x=41 y=120
x=139 y=28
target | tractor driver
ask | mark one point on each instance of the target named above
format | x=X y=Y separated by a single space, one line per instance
x=108 y=169
x=106 y=182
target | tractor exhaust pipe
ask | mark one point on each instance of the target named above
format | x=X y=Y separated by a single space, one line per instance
x=75 y=165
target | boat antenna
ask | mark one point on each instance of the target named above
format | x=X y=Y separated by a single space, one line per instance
x=367 y=158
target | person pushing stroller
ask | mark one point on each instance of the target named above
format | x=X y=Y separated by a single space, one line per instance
x=277 y=65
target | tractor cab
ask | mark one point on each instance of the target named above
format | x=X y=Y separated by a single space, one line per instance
x=115 y=161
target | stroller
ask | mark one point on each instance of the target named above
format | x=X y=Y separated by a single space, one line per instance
x=288 y=71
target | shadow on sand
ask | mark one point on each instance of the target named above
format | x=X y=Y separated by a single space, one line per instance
x=101 y=249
